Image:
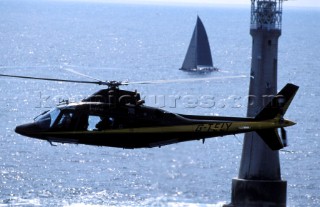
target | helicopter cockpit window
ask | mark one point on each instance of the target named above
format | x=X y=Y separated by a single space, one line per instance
x=92 y=122
x=65 y=120
x=46 y=120
x=97 y=123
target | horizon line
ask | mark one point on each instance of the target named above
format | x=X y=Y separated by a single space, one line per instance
x=189 y=3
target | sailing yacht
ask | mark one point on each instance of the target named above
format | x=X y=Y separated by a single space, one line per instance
x=198 y=57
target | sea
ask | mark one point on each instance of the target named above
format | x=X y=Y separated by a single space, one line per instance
x=81 y=40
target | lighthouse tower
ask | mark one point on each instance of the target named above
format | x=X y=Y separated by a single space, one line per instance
x=259 y=181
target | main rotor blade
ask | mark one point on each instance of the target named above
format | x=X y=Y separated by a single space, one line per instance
x=186 y=80
x=115 y=83
x=54 y=79
x=81 y=74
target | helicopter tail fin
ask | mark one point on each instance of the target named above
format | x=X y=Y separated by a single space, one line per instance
x=278 y=106
x=280 y=103
x=276 y=109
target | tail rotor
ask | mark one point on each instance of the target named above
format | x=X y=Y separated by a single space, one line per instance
x=284 y=137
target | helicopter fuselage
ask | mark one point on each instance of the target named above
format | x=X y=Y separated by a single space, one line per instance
x=106 y=119
x=132 y=126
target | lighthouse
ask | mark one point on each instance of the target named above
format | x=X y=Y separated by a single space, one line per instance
x=259 y=181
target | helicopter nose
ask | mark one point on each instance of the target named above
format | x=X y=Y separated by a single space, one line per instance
x=27 y=129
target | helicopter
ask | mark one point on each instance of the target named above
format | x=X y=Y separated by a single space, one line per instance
x=119 y=118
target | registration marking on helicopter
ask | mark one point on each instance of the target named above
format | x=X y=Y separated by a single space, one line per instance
x=211 y=127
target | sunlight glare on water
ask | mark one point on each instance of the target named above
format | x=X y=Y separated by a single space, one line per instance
x=139 y=43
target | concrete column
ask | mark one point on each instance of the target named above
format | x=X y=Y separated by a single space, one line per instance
x=259 y=181
x=258 y=160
